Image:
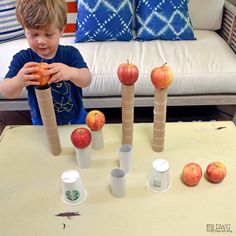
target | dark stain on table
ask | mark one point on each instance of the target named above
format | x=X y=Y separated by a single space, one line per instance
x=221 y=127
x=68 y=215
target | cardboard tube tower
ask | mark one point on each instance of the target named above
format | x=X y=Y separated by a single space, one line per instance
x=159 y=119
x=127 y=74
x=44 y=97
x=161 y=78
x=127 y=101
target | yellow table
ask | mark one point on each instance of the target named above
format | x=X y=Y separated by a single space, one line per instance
x=30 y=191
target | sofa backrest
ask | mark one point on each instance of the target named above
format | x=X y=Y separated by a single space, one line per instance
x=206 y=14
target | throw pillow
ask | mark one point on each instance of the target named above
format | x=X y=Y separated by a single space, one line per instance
x=10 y=28
x=164 y=19
x=104 y=20
x=70 y=28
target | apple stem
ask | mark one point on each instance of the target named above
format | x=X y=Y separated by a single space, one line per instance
x=164 y=64
x=127 y=61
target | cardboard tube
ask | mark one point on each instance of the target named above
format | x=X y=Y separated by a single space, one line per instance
x=44 y=98
x=97 y=139
x=159 y=115
x=127 y=93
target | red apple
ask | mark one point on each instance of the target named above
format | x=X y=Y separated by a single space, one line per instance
x=192 y=174
x=215 y=172
x=81 y=137
x=161 y=76
x=43 y=79
x=95 y=120
x=127 y=73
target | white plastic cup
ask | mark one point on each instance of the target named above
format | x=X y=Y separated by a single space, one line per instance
x=83 y=156
x=118 y=183
x=125 y=155
x=159 y=180
x=97 y=139
x=73 y=190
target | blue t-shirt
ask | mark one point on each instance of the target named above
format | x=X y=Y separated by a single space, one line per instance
x=67 y=97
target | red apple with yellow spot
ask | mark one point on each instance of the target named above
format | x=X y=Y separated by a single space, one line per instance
x=216 y=172
x=127 y=73
x=192 y=174
x=81 y=137
x=161 y=76
x=95 y=120
x=43 y=80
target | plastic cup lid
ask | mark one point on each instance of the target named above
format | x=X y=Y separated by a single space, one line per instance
x=70 y=176
x=160 y=165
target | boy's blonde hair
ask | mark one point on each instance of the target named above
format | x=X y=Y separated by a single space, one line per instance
x=34 y=14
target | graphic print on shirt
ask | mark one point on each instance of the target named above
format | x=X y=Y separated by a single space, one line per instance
x=62 y=97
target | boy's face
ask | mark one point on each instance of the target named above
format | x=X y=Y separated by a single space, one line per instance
x=44 y=41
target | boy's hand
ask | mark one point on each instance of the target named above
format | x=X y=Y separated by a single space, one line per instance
x=58 y=72
x=25 y=76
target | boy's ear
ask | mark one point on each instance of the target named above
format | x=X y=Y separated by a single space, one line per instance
x=62 y=30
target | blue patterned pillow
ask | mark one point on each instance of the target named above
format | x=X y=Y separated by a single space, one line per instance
x=10 y=28
x=104 y=20
x=163 y=19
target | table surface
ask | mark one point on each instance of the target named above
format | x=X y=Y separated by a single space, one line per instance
x=30 y=193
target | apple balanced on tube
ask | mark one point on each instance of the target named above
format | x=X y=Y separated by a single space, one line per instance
x=95 y=120
x=43 y=80
x=161 y=78
x=46 y=107
x=127 y=74
x=81 y=139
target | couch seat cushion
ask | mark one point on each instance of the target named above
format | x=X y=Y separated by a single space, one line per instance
x=203 y=66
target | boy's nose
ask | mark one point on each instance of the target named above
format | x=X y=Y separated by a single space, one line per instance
x=41 y=40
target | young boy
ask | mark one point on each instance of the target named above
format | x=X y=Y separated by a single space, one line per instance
x=43 y=22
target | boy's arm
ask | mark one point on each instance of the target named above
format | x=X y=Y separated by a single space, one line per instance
x=84 y=76
x=12 y=87
x=59 y=72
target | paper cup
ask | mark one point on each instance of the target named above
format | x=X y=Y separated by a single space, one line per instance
x=97 y=139
x=83 y=156
x=118 y=183
x=125 y=155
x=73 y=190
x=159 y=180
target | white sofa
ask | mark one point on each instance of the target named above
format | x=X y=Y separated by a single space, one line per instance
x=204 y=69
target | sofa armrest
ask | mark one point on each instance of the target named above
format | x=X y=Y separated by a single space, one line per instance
x=228 y=27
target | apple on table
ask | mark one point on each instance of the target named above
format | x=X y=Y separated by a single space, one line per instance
x=192 y=174
x=216 y=172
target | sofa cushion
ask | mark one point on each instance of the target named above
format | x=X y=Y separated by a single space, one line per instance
x=206 y=14
x=70 y=28
x=104 y=20
x=165 y=19
x=197 y=66
x=10 y=28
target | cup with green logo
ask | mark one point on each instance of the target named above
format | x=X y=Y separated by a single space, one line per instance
x=73 y=190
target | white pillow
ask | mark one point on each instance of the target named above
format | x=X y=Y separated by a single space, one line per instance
x=206 y=14
x=10 y=28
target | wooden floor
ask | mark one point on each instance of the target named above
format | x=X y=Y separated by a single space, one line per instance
x=113 y=115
